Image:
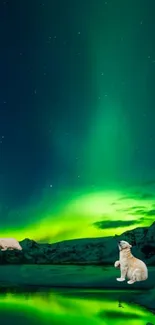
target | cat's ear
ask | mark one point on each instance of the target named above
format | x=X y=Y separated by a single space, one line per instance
x=130 y=246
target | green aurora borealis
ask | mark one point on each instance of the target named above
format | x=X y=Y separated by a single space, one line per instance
x=77 y=126
x=88 y=215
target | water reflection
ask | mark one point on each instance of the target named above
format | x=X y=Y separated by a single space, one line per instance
x=68 y=307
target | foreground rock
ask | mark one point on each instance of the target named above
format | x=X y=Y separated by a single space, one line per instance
x=87 y=251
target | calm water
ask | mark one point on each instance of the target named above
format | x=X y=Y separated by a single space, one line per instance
x=70 y=307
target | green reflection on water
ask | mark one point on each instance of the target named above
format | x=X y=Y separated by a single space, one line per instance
x=71 y=307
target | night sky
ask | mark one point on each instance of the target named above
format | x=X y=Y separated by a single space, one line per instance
x=77 y=117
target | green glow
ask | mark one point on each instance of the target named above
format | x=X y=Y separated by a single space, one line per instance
x=74 y=217
x=108 y=149
x=92 y=309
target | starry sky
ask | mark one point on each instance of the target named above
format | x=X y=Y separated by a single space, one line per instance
x=77 y=112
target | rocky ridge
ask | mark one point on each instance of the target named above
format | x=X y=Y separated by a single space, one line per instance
x=87 y=251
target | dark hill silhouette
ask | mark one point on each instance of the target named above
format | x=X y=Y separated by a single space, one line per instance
x=86 y=251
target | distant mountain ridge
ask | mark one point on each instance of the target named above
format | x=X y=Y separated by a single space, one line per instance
x=85 y=251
